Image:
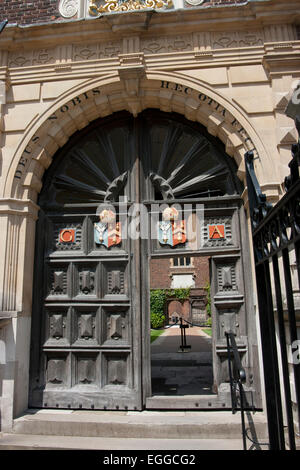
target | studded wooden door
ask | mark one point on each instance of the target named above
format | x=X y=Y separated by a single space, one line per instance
x=90 y=343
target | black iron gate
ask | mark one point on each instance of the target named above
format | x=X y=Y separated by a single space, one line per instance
x=276 y=237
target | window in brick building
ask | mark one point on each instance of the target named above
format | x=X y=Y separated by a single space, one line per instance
x=182 y=261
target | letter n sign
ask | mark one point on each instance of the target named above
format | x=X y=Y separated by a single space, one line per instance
x=216 y=232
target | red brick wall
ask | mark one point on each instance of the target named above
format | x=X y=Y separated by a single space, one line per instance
x=29 y=11
x=201 y=269
x=161 y=271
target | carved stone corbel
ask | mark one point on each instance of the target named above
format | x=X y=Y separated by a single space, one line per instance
x=131 y=76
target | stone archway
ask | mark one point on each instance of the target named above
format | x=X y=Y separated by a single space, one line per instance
x=133 y=90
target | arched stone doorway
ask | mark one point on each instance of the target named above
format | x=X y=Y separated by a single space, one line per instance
x=90 y=329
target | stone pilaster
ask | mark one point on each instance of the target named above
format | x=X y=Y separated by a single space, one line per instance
x=17 y=233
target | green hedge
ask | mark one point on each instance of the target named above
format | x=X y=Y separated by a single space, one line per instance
x=208 y=305
x=158 y=299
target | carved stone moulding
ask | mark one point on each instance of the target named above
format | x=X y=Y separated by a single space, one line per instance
x=195 y=2
x=68 y=8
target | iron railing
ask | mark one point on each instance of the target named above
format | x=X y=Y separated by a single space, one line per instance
x=276 y=235
x=239 y=402
x=237 y=376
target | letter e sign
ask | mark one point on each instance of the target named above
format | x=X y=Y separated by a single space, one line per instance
x=216 y=231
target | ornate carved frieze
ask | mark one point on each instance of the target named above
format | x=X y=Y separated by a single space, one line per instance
x=158 y=45
x=97 y=7
x=33 y=57
x=230 y=39
x=201 y=43
x=94 y=51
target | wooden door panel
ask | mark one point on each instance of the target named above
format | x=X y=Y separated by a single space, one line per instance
x=86 y=341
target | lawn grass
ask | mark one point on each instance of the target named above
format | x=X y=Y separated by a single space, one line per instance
x=155 y=334
x=208 y=331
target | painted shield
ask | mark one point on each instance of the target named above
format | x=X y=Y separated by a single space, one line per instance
x=107 y=234
x=172 y=233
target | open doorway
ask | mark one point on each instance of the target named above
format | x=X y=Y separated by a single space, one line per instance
x=181 y=326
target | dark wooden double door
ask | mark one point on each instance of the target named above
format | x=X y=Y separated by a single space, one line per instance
x=90 y=345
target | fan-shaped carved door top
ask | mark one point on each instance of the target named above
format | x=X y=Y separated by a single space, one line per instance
x=178 y=160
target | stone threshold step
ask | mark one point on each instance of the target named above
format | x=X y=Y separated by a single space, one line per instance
x=145 y=424
x=40 y=442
